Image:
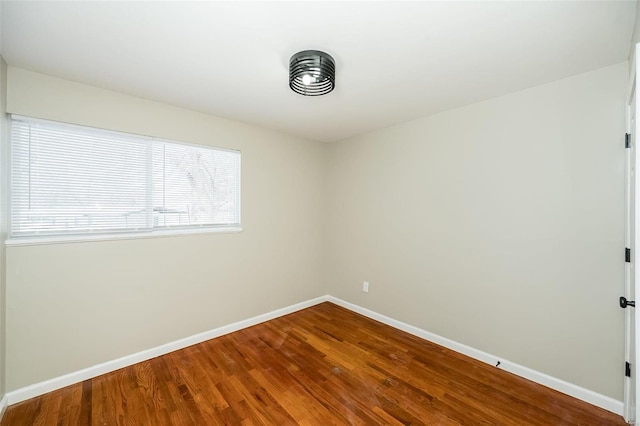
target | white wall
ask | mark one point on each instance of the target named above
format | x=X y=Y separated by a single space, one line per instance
x=498 y=225
x=71 y=306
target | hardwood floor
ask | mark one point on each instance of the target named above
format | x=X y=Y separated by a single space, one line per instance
x=323 y=365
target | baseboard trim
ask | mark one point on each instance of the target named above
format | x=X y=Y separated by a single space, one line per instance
x=41 y=388
x=3 y=405
x=575 y=391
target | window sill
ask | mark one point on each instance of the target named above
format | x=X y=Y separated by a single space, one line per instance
x=34 y=241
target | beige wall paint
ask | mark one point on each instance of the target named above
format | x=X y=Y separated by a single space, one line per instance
x=4 y=134
x=516 y=199
x=635 y=38
x=72 y=306
x=498 y=225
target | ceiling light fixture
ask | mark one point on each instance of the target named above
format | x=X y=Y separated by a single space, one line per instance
x=312 y=73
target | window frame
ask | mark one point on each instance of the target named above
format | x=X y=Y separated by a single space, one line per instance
x=111 y=235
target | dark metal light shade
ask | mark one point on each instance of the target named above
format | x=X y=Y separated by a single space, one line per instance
x=312 y=73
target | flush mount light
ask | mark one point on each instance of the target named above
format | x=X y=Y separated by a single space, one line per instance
x=312 y=73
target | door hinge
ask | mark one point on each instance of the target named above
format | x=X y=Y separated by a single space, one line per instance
x=627 y=140
x=627 y=369
x=627 y=255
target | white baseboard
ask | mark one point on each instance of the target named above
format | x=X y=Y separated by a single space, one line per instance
x=578 y=392
x=3 y=405
x=575 y=391
x=41 y=388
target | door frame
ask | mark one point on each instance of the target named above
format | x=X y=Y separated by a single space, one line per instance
x=631 y=352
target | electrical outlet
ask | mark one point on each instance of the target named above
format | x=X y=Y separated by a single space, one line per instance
x=365 y=287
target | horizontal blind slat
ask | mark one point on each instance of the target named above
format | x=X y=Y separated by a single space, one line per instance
x=68 y=179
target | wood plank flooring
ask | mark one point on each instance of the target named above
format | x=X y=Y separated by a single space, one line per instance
x=320 y=366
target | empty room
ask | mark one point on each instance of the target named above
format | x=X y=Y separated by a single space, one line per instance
x=319 y=212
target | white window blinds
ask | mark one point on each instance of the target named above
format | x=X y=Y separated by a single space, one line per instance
x=73 y=180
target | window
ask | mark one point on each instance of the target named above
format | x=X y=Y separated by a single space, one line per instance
x=71 y=180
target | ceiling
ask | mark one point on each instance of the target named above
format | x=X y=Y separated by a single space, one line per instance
x=395 y=61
